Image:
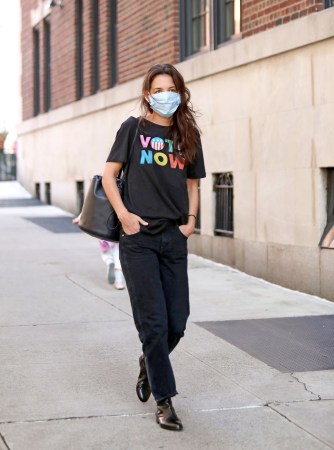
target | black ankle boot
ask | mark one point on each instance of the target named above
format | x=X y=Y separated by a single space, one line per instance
x=143 y=388
x=166 y=416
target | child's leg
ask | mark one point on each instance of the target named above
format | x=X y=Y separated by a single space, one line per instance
x=119 y=279
x=108 y=258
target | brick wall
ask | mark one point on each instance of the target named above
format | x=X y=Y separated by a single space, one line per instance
x=62 y=55
x=147 y=33
x=260 y=15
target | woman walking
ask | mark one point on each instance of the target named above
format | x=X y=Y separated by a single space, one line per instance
x=162 y=149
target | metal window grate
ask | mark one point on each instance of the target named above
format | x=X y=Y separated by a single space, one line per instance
x=290 y=344
x=59 y=224
x=198 y=217
x=48 y=193
x=223 y=187
x=38 y=190
x=327 y=238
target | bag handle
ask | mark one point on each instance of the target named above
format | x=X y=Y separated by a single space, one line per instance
x=125 y=171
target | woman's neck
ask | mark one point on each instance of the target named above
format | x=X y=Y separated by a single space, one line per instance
x=155 y=118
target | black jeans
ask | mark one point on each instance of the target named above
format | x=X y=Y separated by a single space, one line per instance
x=155 y=270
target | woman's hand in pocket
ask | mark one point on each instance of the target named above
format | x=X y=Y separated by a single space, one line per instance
x=131 y=223
x=187 y=230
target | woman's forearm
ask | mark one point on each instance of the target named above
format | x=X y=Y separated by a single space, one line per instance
x=130 y=222
x=111 y=189
x=193 y=199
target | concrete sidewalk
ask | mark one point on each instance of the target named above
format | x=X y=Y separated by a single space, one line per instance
x=69 y=352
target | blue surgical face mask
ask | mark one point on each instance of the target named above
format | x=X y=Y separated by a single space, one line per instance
x=165 y=103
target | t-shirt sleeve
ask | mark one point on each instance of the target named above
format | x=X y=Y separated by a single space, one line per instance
x=120 y=150
x=197 y=168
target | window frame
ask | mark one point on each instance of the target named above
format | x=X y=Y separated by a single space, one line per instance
x=36 y=65
x=214 y=27
x=198 y=216
x=95 y=47
x=47 y=65
x=186 y=29
x=219 y=28
x=113 y=72
x=79 y=51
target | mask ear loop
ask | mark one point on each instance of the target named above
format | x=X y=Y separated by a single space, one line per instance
x=148 y=103
x=146 y=96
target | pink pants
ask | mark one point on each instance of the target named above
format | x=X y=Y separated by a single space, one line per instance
x=110 y=253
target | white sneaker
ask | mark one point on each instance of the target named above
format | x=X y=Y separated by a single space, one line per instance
x=119 y=285
x=119 y=280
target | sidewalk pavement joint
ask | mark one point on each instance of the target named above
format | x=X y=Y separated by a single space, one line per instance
x=4 y=442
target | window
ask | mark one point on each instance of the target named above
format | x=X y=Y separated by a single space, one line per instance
x=199 y=25
x=223 y=15
x=223 y=187
x=95 y=46
x=48 y=193
x=47 y=66
x=38 y=191
x=80 y=195
x=79 y=50
x=7 y=166
x=194 y=26
x=329 y=3
x=112 y=43
x=36 y=72
x=327 y=238
x=206 y=24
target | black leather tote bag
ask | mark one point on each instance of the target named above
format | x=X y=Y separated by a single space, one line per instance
x=98 y=217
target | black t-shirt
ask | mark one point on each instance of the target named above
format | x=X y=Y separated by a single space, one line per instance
x=156 y=186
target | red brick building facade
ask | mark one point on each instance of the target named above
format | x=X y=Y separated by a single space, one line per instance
x=147 y=31
x=260 y=15
x=130 y=35
x=260 y=73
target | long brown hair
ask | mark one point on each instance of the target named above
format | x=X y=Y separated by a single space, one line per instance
x=185 y=131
